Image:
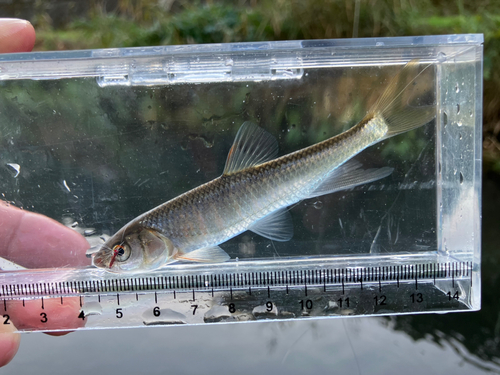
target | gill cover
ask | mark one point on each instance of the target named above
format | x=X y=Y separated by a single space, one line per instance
x=139 y=249
x=149 y=250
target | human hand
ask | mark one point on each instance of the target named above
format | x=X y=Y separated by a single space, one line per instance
x=33 y=240
x=16 y=35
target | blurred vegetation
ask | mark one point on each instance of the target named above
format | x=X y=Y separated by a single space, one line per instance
x=132 y=23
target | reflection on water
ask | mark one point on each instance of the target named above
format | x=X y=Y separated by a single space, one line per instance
x=349 y=346
x=475 y=337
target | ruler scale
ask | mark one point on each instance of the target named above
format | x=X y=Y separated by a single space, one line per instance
x=239 y=292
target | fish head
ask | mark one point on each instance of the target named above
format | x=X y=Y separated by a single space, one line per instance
x=134 y=249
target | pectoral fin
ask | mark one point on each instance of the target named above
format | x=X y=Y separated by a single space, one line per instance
x=277 y=226
x=213 y=254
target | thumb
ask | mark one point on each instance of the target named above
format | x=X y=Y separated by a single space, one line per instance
x=9 y=342
x=16 y=35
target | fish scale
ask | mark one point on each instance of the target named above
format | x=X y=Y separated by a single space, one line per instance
x=192 y=217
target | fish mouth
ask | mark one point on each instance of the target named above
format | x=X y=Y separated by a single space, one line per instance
x=99 y=261
x=92 y=251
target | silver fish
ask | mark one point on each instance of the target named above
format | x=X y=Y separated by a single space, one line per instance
x=256 y=188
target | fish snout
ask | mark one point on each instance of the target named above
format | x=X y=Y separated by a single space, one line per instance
x=99 y=261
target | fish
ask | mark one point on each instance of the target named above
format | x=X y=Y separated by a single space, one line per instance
x=257 y=188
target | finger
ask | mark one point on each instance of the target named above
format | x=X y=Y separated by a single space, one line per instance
x=36 y=241
x=58 y=333
x=16 y=35
x=9 y=342
x=49 y=314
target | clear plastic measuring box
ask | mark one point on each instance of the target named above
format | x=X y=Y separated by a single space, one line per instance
x=95 y=138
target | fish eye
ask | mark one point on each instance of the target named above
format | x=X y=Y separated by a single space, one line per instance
x=121 y=252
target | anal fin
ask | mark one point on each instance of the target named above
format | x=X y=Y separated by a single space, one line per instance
x=277 y=226
x=348 y=176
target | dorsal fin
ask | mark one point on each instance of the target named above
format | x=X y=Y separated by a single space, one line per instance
x=252 y=146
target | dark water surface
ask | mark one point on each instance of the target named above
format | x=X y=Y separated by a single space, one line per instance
x=354 y=346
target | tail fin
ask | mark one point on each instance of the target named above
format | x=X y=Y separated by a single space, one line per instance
x=394 y=104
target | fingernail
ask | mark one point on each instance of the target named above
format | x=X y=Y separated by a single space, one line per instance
x=12 y=25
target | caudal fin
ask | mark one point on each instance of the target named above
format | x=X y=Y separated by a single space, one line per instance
x=401 y=105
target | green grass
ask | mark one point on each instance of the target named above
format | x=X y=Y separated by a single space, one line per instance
x=149 y=22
